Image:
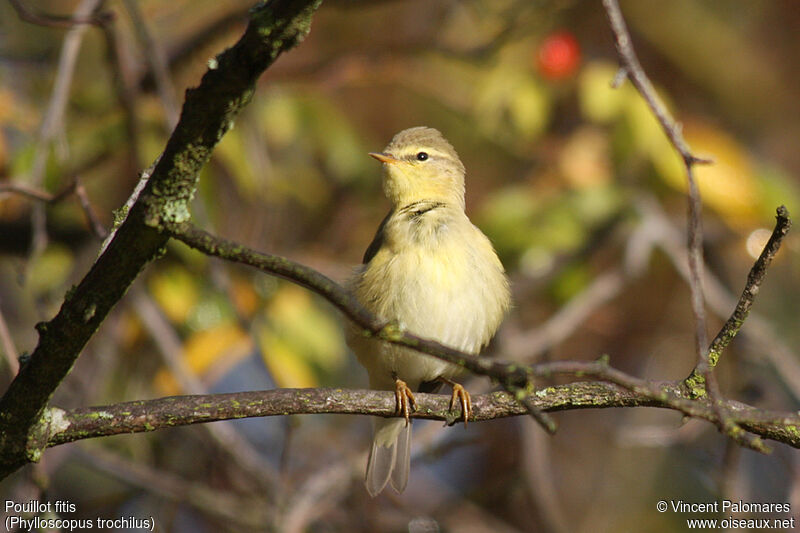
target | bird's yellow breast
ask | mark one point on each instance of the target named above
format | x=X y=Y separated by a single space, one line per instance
x=438 y=276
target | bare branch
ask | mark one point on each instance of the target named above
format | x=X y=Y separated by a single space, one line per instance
x=97 y=227
x=751 y=288
x=56 y=21
x=27 y=191
x=208 y=113
x=156 y=61
x=632 y=69
x=74 y=187
x=505 y=373
x=629 y=63
x=9 y=350
x=776 y=351
x=149 y=415
x=734 y=323
x=515 y=378
x=52 y=122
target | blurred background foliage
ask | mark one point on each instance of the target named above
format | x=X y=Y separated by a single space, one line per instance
x=574 y=182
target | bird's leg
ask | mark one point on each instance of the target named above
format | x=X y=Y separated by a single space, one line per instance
x=404 y=398
x=461 y=395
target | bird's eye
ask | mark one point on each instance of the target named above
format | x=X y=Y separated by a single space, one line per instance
x=422 y=156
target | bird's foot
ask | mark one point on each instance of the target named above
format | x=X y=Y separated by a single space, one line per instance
x=404 y=399
x=461 y=396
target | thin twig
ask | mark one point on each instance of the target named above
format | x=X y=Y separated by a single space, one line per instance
x=25 y=190
x=629 y=63
x=540 y=478
x=157 y=61
x=632 y=69
x=735 y=321
x=527 y=346
x=95 y=225
x=669 y=240
x=171 y=350
x=57 y=21
x=74 y=187
x=126 y=90
x=524 y=397
x=52 y=122
x=9 y=350
x=236 y=510
x=751 y=288
x=37 y=194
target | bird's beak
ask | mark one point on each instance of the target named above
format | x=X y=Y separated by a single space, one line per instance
x=384 y=158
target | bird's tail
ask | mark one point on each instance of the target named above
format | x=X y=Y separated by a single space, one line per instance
x=390 y=457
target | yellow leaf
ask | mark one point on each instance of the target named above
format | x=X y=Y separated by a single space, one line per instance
x=175 y=291
x=529 y=109
x=299 y=338
x=209 y=353
x=598 y=100
x=728 y=185
x=279 y=118
x=130 y=329
x=286 y=368
x=232 y=149
x=204 y=349
x=244 y=296
x=646 y=132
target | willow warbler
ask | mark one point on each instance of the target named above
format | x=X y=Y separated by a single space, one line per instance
x=433 y=272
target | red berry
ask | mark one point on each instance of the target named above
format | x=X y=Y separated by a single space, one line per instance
x=558 y=55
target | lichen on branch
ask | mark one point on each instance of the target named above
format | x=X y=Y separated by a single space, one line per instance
x=208 y=112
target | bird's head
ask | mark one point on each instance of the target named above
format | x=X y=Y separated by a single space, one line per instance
x=419 y=164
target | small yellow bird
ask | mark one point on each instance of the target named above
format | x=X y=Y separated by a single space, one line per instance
x=434 y=273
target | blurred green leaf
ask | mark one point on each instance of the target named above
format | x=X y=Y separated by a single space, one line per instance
x=50 y=270
x=511 y=105
x=522 y=225
x=570 y=282
x=776 y=188
x=176 y=291
x=299 y=340
x=598 y=100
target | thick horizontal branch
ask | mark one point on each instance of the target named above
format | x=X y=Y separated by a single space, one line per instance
x=516 y=378
x=65 y=426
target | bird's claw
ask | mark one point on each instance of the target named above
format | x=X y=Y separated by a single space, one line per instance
x=404 y=399
x=461 y=395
